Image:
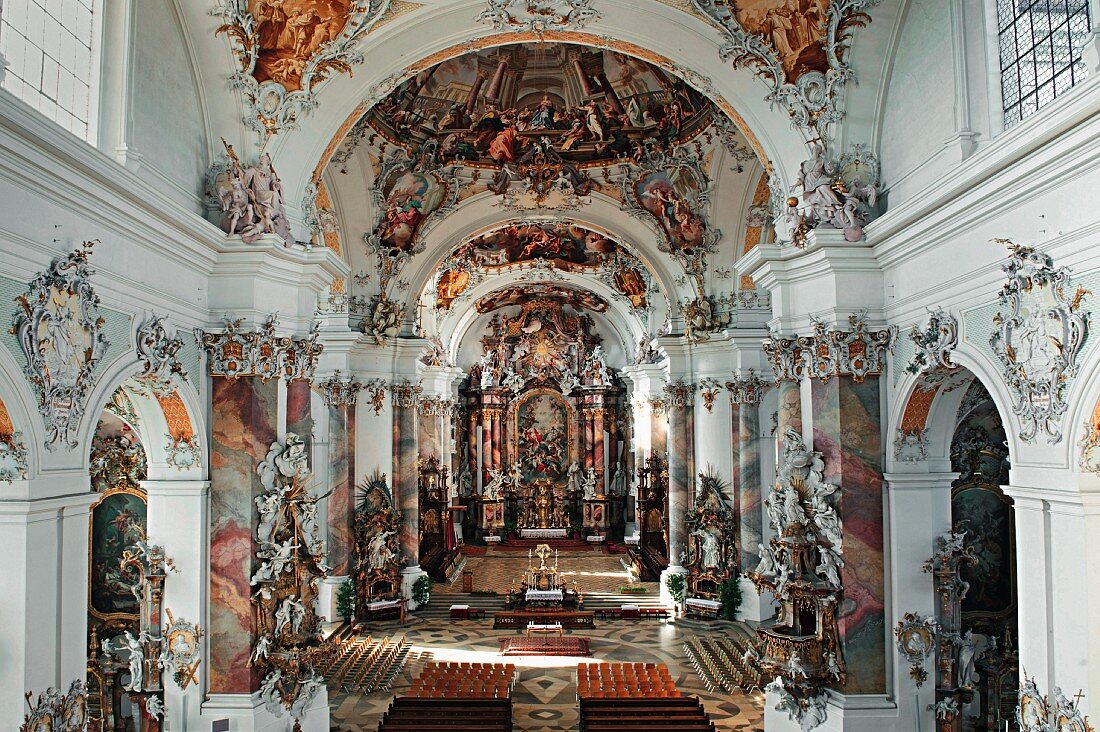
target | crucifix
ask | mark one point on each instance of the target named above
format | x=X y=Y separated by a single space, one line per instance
x=542 y=551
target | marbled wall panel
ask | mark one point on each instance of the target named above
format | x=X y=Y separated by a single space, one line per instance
x=299 y=419
x=749 y=486
x=848 y=434
x=243 y=415
x=405 y=481
x=340 y=500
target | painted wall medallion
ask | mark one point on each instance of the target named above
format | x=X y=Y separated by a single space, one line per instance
x=61 y=333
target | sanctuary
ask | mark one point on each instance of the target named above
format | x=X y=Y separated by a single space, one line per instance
x=549 y=365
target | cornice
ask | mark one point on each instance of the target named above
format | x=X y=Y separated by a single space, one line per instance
x=38 y=155
x=1055 y=144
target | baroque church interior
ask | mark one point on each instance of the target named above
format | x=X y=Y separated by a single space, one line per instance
x=549 y=365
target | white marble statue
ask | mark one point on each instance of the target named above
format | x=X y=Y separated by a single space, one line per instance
x=829 y=568
x=766 y=566
x=297 y=613
x=497 y=480
x=259 y=651
x=269 y=692
x=589 y=485
x=268 y=505
x=568 y=382
x=709 y=547
x=280 y=555
x=283 y=615
x=814 y=714
x=137 y=661
x=265 y=573
x=379 y=550
x=512 y=381
x=794 y=663
x=573 y=478
x=832 y=666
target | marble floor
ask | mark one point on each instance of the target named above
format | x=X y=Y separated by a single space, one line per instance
x=594 y=571
x=544 y=699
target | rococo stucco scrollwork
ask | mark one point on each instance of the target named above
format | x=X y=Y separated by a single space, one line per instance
x=800 y=54
x=158 y=351
x=283 y=54
x=1038 y=339
x=935 y=343
x=61 y=333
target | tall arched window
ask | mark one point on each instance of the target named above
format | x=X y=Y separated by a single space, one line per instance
x=1040 y=49
x=50 y=47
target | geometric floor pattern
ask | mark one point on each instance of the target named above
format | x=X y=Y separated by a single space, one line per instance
x=594 y=572
x=544 y=699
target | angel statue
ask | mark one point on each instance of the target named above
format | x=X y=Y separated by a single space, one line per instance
x=708 y=547
x=498 y=479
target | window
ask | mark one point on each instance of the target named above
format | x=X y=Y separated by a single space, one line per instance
x=1040 y=49
x=51 y=58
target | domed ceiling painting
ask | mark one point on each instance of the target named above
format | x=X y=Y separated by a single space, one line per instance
x=592 y=105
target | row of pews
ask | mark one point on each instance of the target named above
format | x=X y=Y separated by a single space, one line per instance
x=465 y=697
x=640 y=697
x=722 y=664
x=365 y=664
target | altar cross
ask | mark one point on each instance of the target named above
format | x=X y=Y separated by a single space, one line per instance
x=542 y=551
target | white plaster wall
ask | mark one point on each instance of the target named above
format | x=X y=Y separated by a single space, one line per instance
x=918 y=114
x=169 y=130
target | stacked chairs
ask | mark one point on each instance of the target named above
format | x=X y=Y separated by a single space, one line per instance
x=366 y=664
x=721 y=665
x=455 y=680
x=625 y=680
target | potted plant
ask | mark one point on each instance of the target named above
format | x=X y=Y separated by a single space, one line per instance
x=729 y=594
x=422 y=590
x=676 y=584
x=345 y=600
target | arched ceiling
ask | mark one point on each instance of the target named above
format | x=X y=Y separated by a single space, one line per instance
x=421 y=126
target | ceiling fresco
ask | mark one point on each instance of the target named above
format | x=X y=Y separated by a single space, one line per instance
x=520 y=294
x=592 y=105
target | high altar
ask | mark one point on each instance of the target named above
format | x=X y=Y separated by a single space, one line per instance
x=544 y=436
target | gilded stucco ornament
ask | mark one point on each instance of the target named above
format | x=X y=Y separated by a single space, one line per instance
x=1038 y=339
x=1037 y=712
x=1090 y=445
x=812 y=98
x=709 y=390
x=182 y=650
x=935 y=343
x=701 y=318
x=290 y=89
x=538 y=16
x=748 y=389
x=61 y=333
x=13 y=457
x=405 y=394
x=857 y=352
x=235 y=352
x=53 y=711
x=338 y=390
x=158 y=351
x=916 y=639
x=679 y=394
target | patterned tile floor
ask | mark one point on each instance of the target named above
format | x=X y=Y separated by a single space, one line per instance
x=544 y=699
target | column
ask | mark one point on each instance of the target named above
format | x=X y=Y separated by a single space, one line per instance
x=471 y=98
x=919 y=510
x=847 y=431
x=179 y=520
x=493 y=94
x=582 y=77
x=244 y=418
x=299 y=418
x=681 y=428
x=339 y=395
x=405 y=396
x=45 y=579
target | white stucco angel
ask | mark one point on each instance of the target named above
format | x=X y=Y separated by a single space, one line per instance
x=136 y=663
x=829 y=568
x=281 y=555
x=709 y=547
x=766 y=566
x=268 y=506
x=589 y=485
x=497 y=480
x=283 y=615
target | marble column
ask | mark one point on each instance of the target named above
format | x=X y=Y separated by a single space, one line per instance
x=498 y=79
x=847 y=431
x=680 y=477
x=471 y=98
x=244 y=414
x=404 y=475
x=341 y=464
x=299 y=418
x=750 y=499
x=789 y=414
